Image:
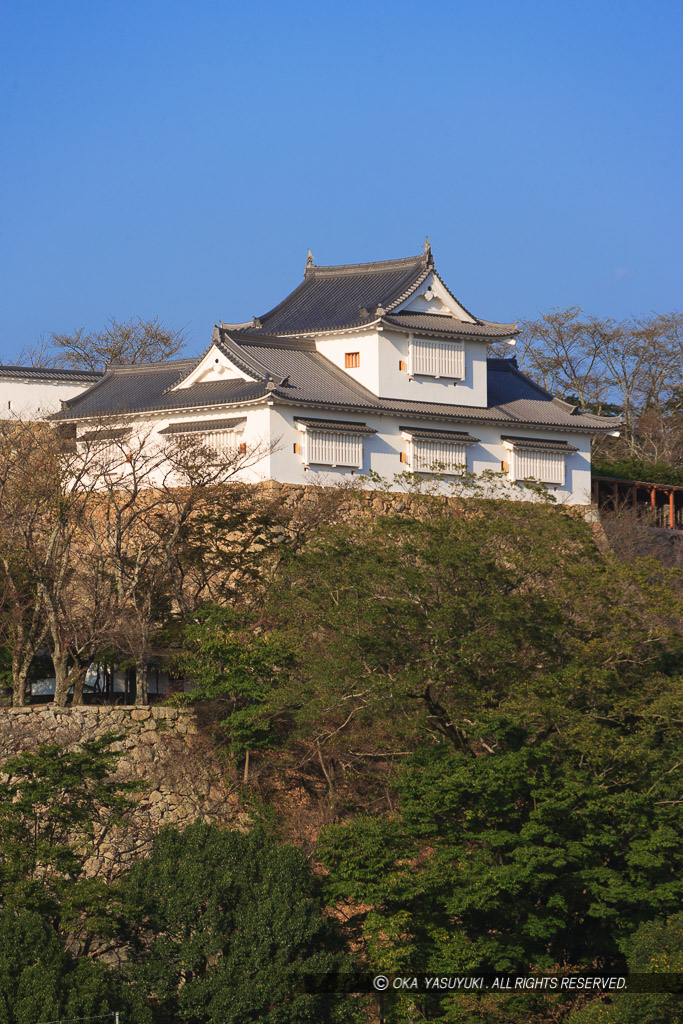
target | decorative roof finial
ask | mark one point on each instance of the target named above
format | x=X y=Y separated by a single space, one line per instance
x=427 y=246
x=309 y=262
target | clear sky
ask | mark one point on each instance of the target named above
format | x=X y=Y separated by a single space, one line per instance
x=178 y=159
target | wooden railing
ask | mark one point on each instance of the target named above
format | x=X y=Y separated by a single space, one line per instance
x=661 y=503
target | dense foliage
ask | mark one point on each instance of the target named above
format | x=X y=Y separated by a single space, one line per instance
x=215 y=924
x=484 y=713
x=638 y=469
x=236 y=928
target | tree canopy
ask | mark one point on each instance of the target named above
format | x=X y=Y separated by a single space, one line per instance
x=120 y=342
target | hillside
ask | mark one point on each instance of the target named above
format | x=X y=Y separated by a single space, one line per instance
x=467 y=718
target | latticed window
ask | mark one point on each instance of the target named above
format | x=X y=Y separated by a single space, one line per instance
x=437 y=456
x=334 y=448
x=107 y=447
x=436 y=358
x=218 y=440
x=530 y=464
x=109 y=453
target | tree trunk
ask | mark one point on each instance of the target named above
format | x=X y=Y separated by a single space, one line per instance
x=141 y=682
x=62 y=680
x=78 y=680
x=19 y=680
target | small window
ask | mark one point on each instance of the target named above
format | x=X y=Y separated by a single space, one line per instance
x=351 y=360
x=546 y=467
x=429 y=456
x=435 y=358
x=333 y=448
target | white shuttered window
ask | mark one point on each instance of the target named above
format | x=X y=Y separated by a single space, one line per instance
x=548 y=467
x=437 y=456
x=334 y=448
x=219 y=440
x=435 y=358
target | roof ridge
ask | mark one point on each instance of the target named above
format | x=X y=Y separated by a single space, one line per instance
x=47 y=369
x=147 y=367
x=233 y=350
x=350 y=268
x=398 y=297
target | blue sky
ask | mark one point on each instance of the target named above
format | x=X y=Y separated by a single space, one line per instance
x=177 y=159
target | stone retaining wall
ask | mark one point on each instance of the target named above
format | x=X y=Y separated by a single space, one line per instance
x=184 y=775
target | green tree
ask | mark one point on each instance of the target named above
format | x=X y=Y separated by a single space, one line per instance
x=412 y=628
x=227 y=926
x=40 y=980
x=52 y=805
x=236 y=669
x=655 y=948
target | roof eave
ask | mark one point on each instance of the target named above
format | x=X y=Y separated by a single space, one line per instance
x=465 y=335
x=163 y=410
x=419 y=414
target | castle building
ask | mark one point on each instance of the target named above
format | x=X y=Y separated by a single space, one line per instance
x=370 y=367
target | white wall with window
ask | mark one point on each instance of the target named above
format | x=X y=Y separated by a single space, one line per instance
x=433 y=451
x=385 y=362
x=331 y=443
x=537 y=459
x=435 y=357
x=386 y=450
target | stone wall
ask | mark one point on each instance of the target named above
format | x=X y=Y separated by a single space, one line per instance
x=183 y=773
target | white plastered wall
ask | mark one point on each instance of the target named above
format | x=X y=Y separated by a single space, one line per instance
x=255 y=432
x=275 y=427
x=35 y=399
x=366 y=343
x=381 y=351
x=433 y=297
x=214 y=365
x=381 y=452
x=397 y=383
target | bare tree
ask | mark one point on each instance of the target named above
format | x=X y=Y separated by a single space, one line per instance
x=634 y=367
x=52 y=592
x=38 y=354
x=120 y=342
x=150 y=525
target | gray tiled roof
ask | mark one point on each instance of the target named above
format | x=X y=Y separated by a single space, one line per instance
x=128 y=389
x=353 y=295
x=197 y=426
x=307 y=378
x=50 y=374
x=346 y=425
x=438 y=323
x=457 y=436
x=539 y=443
x=334 y=297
